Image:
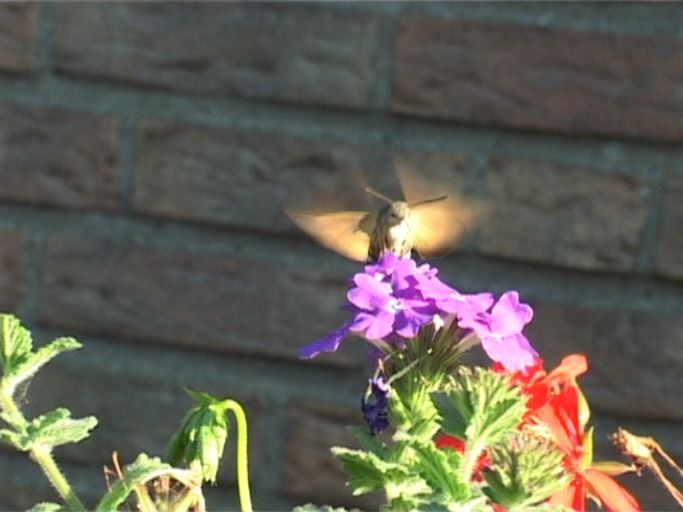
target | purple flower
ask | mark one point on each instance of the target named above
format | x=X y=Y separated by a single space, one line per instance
x=374 y=405
x=500 y=332
x=384 y=301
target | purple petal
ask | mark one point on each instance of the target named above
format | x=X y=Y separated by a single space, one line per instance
x=513 y=352
x=381 y=326
x=329 y=343
x=510 y=315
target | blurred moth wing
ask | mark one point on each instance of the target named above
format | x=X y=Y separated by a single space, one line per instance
x=440 y=216
x=438 y=225
x=347 y=232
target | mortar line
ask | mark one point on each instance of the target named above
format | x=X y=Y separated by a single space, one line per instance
x=646 y=257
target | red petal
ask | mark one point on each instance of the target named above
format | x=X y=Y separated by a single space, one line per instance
x=573 y=496
x=448 y=441
x=612 y=495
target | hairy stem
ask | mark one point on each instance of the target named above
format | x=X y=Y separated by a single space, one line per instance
x=43 y=456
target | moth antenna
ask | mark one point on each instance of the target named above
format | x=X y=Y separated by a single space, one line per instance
x=432 y=200
x=378 y=195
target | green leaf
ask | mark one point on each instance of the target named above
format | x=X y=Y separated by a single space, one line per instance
x=57 y=428
x=144 y=468
x=440 y=469
x=46 y=506
x=32 y=362
x=481 y=407
x=368 y=472
x=369 y=442
x=15 y=342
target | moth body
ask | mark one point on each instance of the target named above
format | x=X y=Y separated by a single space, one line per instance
x=392 y=231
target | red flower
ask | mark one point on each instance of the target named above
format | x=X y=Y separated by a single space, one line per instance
x=558 y=407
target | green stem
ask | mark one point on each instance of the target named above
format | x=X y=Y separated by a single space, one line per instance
x=242 y=458
x=43 y=456
x=9 y=407
x=472 y=454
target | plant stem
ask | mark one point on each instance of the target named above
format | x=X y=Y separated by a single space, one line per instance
x=472 y=454
x=242 y=457
x=43 y=456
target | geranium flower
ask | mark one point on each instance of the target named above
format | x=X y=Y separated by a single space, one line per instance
x=558 y=409
x=500 y=332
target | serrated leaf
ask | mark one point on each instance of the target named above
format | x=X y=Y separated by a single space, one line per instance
x=452 y=422
x=440 y=472
x=134 y=474
x=32 y=362
x=15 y=342
x=46 y=506
x=367 y=471
x=369 y=442
x=57 y=428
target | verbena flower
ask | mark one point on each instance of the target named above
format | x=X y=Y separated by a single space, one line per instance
x=374 y=405
x=396 y=298
x=500 y=332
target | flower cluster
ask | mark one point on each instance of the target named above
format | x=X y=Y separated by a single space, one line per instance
x=395 y=298
x=557 y=409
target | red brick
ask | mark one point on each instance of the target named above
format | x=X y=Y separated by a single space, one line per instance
x=218 y=303
x=561 y=215
x=635 y=359
x=244 y=178
x=13 y=248
x=18 y=35
x=308 y=54
x=670 y=246
x=59 y=158
x=312 y=473
x=577 y=82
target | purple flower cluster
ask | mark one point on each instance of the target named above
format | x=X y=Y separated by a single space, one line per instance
x=396 y=297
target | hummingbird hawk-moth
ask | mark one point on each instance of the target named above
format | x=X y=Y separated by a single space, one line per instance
x=431 y=226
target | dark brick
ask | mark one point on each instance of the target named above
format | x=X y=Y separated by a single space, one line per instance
x=219 y=303
x=635 y=359
x=12 y=269
x=312 y=473
x=59 y=158
x=18 y=35
x=521 y=76
x=244 y=178
x=670 y=246
x=308 y=54
x=568 y=216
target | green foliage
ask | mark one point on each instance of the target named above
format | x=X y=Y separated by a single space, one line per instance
x=525 y=472
x=51 y=430
x=202 y=435
x=134 y=475
x=480 y=407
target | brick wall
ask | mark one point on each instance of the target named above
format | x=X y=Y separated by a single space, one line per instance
x=146 y=149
